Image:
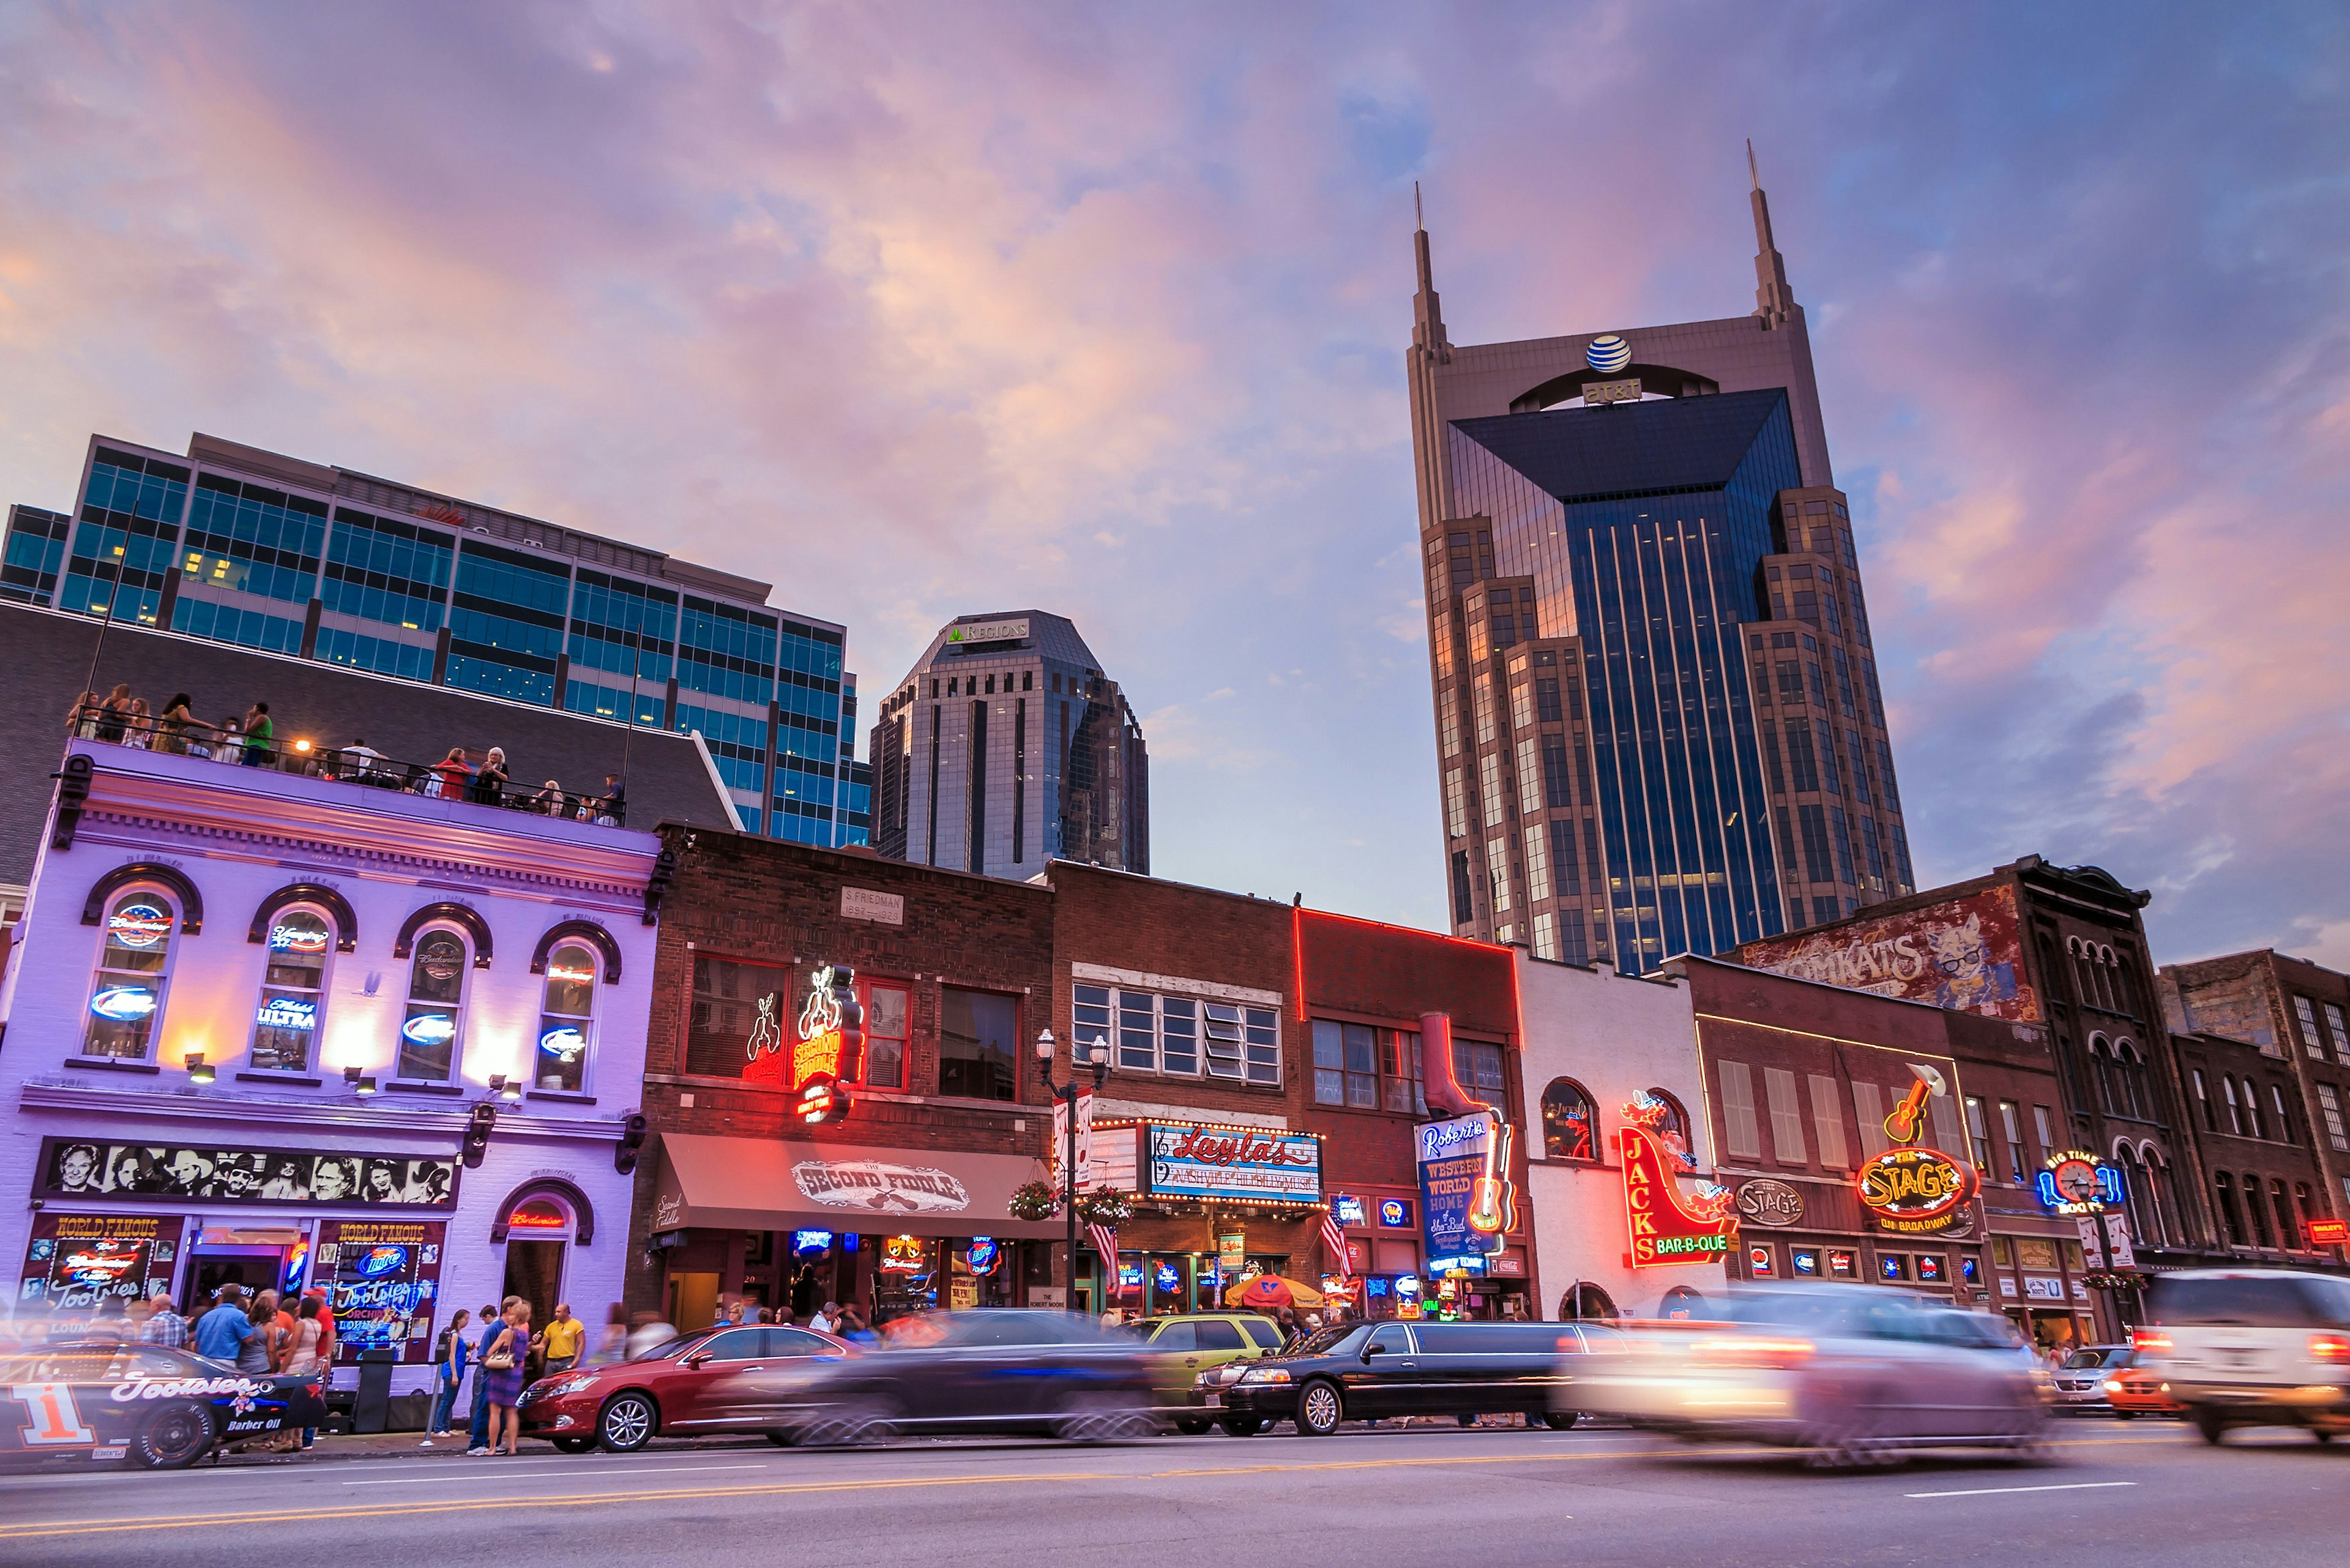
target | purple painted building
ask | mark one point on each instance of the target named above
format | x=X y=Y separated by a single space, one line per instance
x=255 y=1015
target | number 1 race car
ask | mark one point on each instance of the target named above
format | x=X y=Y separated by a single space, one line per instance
x=159 y=1407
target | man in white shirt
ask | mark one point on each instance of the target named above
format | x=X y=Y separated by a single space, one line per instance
x=823 y=1320
x=358 y=762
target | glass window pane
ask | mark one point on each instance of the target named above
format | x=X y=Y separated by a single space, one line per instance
x=571 y=981
x=1328 y=1051
x=1362 y=1048
x=562 y=1058
x=438 y=971
x=1178 y=1025
x=978 y=1045
x=427 y=1041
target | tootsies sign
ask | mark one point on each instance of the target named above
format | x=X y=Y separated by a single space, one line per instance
x=146 y=1172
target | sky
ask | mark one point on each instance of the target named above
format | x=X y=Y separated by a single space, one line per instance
x=918 y=311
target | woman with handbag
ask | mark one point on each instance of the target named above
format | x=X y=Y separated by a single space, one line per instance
x=502 y=1365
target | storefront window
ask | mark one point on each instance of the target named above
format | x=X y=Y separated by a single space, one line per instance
x=134 y=966
x=566 y=1022
x=887 y=1013
x=435 y=1015
x=1567 y=1121
x=293 y=1005
x=979 y=1035
x=738 y=1016
x=1477 y=1067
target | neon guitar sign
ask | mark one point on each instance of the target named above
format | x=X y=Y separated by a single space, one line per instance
x=1493 y=1203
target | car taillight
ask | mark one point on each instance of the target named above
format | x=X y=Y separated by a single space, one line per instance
x=2330 y=1347
x=2147 y=1339
x=1741 y=1351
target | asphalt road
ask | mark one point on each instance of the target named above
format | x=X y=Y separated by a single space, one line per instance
x=2112 y=1495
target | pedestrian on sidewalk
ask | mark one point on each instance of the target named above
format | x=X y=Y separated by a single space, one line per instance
x=449 y=1376
x=310 y=1353
x=490 y=1325
x=823 y=1320
x=613 y=1344
x=163 y=1326
x=561 y=1340
x=502 y=1364
x=221 y=1332
x=258 y=1357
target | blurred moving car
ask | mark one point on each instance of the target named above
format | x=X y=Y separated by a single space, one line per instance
x=2134 y=1391
x=163 y=1408
x=1185 y=1348
x=987 y=1369
x=2247 y=1347
x=1365 y=1372
x=2081 y=1379
x=1857 y=1374
x=698 y=1382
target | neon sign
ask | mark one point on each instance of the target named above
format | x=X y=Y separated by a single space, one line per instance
x=286 y=1012
x=1916 y=1191
x=905 y=1255
x=564 y=971
x=2328 y=1233
x=139 y=925
x=1167 y=1277
x=563 y=1043
x=293 y=938
x=808 y=1243
x=124 y=1004
x=430 y=1029
x=1394 y=1213
x=983 y=1256
x=537 y=1214
x=2078 y=1184
x=1667 y=1226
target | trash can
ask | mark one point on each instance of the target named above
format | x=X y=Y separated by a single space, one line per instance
x=371 y=1411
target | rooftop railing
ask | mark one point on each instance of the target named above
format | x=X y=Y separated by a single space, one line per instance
x=461 y=776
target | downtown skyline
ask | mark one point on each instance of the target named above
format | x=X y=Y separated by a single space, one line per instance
x=1119 y=335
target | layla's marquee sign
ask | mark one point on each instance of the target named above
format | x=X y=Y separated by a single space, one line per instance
x=2077 y=1185
x=1666 y=1225
x=1916 y=1191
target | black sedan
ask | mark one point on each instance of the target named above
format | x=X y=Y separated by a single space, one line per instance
x=106 y=1399
x=987 y=1370
x=1361 y=1371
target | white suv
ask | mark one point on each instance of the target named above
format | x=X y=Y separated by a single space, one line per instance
x=2243 y=1347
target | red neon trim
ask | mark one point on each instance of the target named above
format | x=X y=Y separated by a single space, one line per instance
x=1406 y=931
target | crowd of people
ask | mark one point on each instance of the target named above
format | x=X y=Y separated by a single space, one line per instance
x=250 y=740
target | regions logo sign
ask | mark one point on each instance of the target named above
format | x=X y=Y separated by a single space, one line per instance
x=1967 y=955
x=1916 y=1191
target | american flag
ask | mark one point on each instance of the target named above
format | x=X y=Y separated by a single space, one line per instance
x=1335 y=1239
x=1106 y=1243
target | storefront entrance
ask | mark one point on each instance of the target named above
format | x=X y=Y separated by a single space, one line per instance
x=257 y=1259
x=535 y=1272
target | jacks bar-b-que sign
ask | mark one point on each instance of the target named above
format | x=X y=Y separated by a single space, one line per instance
x=1666 y=1225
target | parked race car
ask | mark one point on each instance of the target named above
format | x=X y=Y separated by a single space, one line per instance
x=153 y=1406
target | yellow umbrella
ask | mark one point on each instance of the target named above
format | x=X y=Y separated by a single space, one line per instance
x=1273 y=1290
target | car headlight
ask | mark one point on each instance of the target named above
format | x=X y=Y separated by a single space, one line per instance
x=2112 y=1387
x=568 y=1386
x=1265 y=1375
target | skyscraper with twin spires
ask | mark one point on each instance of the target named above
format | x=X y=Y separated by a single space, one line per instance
x=1658 y=715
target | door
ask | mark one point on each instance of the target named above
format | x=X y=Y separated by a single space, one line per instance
x=1174 y=1353
x=698 y=1395
x=1388 y=1380
x=535 y=1272
x=693 y=1300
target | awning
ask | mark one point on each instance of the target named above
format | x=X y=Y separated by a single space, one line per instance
x=773 y=1184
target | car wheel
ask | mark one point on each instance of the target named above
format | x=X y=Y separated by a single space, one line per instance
x=1561 y=1420
x=2124 y=1415
x=2321 y=1434
x=1193 y=1428
x=783 y=1439
x=1101 y=1419
x=572 y=1445
x=1243 y=1427
x=2209 y=1423
x=1466 y=1420
x=857 y=1422
x=627 y=1423
x=173 y=1438
x=1319 y=1409
x=1848 y=1441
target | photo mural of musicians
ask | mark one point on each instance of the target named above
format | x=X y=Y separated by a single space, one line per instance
x=74 y=1168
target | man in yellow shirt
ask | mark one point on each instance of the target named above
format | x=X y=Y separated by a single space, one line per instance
x=559 y=1340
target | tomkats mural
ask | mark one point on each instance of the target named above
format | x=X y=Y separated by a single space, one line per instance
x=1967 y=954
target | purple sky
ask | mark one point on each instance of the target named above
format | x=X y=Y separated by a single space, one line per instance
x=1102 y=310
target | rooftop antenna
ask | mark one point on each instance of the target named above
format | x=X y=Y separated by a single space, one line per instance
x=1419 y=219
x=1752 y=173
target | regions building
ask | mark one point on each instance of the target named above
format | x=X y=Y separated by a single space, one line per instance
x=233 y=544
x=1005 y=747
x=293 y=1032
x=1659 y=717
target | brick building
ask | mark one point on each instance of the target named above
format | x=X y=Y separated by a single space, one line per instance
x=741 y=1198
x=2270 y=1028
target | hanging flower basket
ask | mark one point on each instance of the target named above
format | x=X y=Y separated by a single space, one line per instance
x=1032 y=1201
x=1107 y=1207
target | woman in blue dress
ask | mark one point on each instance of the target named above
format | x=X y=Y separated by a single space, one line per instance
x=503 y=1385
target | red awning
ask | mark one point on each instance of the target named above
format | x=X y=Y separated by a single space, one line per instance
x=773 y=1184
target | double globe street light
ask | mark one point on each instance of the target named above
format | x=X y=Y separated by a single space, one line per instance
x=1098 y=1056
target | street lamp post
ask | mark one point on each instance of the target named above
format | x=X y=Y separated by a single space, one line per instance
x=1097 y=1055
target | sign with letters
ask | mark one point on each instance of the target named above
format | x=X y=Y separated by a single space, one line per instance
x=1192 y=1160
x=1664 y=1224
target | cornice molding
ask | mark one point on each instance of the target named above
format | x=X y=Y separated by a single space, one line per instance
x=375 y=1117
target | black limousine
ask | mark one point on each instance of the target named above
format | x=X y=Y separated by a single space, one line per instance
x=1365 y=1371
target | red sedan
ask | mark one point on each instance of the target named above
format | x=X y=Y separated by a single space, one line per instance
x=698 y=1382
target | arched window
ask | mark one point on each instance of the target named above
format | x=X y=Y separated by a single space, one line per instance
x=2284 y=1117
x=2132 y=1095
x=2203 y=1100
x=2137 y=1195
x=2306 y=1202
x=2235 y=1113
x=567 y=1023
x=2254 y=1213
x=1567 y=1129
x=292 y=1008
x=2288 y=1228
x=1675 y=1132
x=432 y=1025
x=2101 y=1074
x=1584 y=1301
x=2223 y=1203
x=2252 y=1111
x=134 y=975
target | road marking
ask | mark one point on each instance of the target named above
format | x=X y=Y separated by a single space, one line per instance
x=2003 y=1490
x=609 y=1470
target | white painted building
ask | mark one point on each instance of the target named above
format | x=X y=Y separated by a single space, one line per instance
x=251 y=1015
x=1596 y=1040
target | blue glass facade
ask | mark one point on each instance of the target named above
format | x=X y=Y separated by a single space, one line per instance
x=1660 y=578
x=35 y=553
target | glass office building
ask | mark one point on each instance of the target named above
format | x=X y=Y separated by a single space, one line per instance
x=235 y=544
